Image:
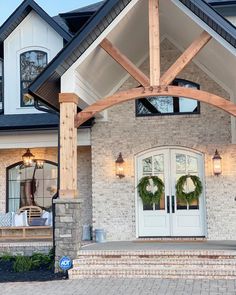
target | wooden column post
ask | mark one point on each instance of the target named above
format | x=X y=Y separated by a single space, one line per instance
x=154 y=42
x=68 y=146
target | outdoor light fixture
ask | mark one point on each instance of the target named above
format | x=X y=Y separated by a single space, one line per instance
x=217 y=164
x=120 y=166
x=39 y=164
x=28 y=158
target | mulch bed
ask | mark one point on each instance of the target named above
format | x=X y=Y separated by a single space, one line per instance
x=8 y=275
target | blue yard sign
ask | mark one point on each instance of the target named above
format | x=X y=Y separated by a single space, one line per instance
x=65 y=263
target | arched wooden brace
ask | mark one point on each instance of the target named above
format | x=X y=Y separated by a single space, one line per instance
x=140 y=92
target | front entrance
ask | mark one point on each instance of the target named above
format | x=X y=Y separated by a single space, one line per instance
x=171 y=217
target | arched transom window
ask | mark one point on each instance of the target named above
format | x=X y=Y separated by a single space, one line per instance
x=28 y=186
x=32 y=64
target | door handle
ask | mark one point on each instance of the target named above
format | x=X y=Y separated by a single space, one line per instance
x=173 y=204
x=168 y=204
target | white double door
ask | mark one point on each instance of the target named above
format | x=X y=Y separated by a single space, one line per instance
x=171 y=217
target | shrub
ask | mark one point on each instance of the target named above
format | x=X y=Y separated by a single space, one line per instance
x=22 y=263
x=41 y=261
x=6 y=257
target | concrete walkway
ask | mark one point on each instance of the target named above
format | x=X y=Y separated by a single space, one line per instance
x=163 y=245
x=122 y=287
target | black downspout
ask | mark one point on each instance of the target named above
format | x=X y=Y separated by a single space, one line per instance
x=50 y=111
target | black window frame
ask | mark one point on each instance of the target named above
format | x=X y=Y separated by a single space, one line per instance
x=23 y=91
x=7 y=177
x=2 y=85
x=175 y=105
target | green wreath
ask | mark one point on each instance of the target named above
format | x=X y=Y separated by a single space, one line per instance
x=147 y=196
x=191 y=196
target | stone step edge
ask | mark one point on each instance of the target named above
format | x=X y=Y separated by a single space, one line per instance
x=158 y=253
x=151 y=272
x=177 y=262
x=148 y=268
x=157 y=276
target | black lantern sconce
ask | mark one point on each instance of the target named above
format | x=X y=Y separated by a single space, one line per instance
x=120 y=166
x=217 y=167
x=28 y=158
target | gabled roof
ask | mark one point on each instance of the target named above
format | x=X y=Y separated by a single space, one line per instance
x=75 y=19
x=47 y=86
x=90 y=8
x=21 y=12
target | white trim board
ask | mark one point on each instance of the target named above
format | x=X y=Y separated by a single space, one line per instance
x=39 y=139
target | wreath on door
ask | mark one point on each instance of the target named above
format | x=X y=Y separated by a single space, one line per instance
x=150 y=189
x=183 y=190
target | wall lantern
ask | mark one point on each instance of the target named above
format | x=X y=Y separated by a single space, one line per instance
x=120 y=166
x=28 y=158
x=217 y=169
x=39 y=164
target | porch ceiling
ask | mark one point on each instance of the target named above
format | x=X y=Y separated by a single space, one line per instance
x=98 y=75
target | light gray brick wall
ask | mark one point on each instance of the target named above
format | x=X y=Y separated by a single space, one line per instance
x=114 y=199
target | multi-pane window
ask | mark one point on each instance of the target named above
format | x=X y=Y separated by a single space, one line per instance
x=167 y=105
x=32 y=64
x=32 y=185
x=1 y=84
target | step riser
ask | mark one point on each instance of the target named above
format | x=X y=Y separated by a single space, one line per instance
x=148 y=268
x=155 y=264
x=91 y=262
x=154 y=274
x=190 y=277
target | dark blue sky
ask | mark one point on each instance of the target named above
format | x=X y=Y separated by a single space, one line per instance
x=52 y=7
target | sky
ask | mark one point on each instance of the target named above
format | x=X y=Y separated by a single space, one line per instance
x=52 y=7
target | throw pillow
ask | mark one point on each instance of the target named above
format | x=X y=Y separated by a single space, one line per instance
x=5 y=219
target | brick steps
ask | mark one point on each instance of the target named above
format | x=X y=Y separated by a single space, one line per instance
x=156 y=264
x=160 y=261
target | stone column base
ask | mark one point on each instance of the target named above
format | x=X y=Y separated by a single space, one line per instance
x=68 y=228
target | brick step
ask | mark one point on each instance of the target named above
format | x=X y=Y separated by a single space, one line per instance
x=151 y=273
x=158 y=253
x=157 y=264
x=157 y=267
x=152 y=261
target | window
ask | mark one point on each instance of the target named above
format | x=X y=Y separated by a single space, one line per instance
x=32 y=64
x=166 y=105
x=28 y=186
x=1 y=84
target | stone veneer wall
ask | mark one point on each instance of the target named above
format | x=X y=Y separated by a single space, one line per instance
x=114 y=199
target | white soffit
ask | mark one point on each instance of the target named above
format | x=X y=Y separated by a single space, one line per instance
x=218 y=56
x=96 y=74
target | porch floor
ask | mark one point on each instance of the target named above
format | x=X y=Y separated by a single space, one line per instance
x=140 y=245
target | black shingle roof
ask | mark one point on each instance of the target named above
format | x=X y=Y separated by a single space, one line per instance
x=90 y=8
x=32 y=121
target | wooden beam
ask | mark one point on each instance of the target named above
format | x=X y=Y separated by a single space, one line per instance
x=123 y=61
x=140 y=92
x=154 y=42
x=185 y=58
x=68 y=146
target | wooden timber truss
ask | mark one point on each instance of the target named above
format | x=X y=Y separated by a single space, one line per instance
x=156 y=85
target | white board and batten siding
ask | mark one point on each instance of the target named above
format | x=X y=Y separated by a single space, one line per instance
x=33 y=33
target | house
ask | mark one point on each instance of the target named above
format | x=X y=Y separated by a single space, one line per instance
x=94 y=65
